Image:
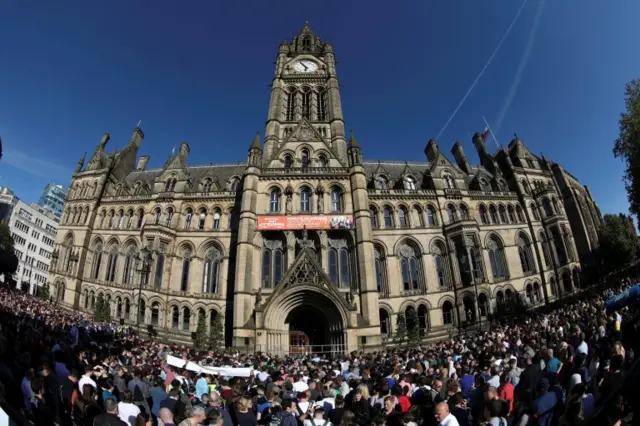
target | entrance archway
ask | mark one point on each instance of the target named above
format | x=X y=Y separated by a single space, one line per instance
x=307 y=329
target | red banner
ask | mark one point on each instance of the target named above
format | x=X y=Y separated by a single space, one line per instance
x=285 y=223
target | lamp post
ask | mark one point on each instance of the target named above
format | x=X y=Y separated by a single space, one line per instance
x=143 y=266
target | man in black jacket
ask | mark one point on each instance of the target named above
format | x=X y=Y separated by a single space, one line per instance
x=530 y=377
x=42 y=415
x=51 y=390
x=110 y=416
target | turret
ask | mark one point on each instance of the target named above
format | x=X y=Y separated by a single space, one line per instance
x=104 y=140
x=461 y=159
x=80 y=163
x=255 y=152
x=136 y=137
x=432 y=150
x=478 y=142
x=354 y=152
x=184 y=150
x=142 y=163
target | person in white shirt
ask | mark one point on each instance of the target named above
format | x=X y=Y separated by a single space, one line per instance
x=87 y=380
x=127 y=410
x=582 y=348
x=444 y=416
x=299 y=385
x=317 y=419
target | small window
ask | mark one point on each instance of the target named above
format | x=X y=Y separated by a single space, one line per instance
x=304 y=159
x=288 y=162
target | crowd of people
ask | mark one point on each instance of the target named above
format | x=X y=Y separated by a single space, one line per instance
x=59 y=367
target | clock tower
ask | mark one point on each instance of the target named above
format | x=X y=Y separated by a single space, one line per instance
x=305 y=103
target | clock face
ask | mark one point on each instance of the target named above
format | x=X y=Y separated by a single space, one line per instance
x=305 y=66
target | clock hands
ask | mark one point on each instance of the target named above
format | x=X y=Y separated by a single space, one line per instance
x=305 y=67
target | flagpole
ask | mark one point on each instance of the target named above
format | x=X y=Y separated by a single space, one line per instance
x=491 y=131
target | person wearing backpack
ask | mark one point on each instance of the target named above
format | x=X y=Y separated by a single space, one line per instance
x=140 y=391
x=317 y=419
x=494 y=407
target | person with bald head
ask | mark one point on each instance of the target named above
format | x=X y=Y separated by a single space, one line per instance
x=444 y=417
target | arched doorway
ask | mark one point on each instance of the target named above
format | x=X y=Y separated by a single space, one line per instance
x=307 y=329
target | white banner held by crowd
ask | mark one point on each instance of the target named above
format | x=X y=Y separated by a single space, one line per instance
x=197 y=368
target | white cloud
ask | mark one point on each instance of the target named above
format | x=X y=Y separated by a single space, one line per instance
x=36 y=166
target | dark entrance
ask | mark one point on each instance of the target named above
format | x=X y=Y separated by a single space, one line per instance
x=308 y=330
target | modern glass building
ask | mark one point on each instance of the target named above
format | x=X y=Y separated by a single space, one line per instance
x=52 y=198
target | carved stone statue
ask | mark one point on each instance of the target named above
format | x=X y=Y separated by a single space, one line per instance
x=259 y=299
x=289 y=204
x=320 y=203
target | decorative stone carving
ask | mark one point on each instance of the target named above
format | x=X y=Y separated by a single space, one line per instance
x=407 y=251
x=258 y=304
x=305 y=134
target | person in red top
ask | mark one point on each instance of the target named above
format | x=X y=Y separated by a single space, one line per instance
x=506 y=390
x=401 y=394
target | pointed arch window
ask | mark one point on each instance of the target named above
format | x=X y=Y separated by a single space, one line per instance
x=170 y=185
x=431 y=216
x=159 y=271
x=129 y=267
x=520 y=214
x=169 y=217
x=187 y=219
x=112 y=264
x=112 y=215
x=211 y=272
x=503 y=214
x=497 y=259
x=186 y=266
x=419 y=215
x=288 y=162
x=305 y=200
x=186 y=318
x=120 y=219
x=410 y=268
x=449 y=183
x=273 y=263
x=534 y=211
x=175 y=317
x=555 y=205
x=274 y=201
x=447 y=313
x=155 y=313
x=129 y=218
x=336 y=199
x=388 y=217
x=206 y=186
x=556 y=237
x=202 y=218
x=156 y=216
x=140 y=218
x=97 y=261
x=216 y=218
x=546 y=207
x=442 y=266
x=452 y=213
x=339 y=268
x=409 y=183
x=304 y=158
x=322 y=161
x=512 y=215
x=234 y=184
x=464 y=212
x=322 y=104
x=493 y=212
x=291 y=104
x=306 y=103
x=545 y=249
x=402 y=217
x=382 y=183
x=381 y=272
x=566 y=237
x=525 y=187
x=373 y=215
x=526 y=258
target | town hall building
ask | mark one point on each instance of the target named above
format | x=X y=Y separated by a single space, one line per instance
x=309 y=244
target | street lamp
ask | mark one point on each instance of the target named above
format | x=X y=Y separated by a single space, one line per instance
x=143 y=266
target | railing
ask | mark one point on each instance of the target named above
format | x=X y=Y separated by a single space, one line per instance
x=305 y=171
x=286 y=349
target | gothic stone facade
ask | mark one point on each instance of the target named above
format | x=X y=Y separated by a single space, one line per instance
x=308 y=240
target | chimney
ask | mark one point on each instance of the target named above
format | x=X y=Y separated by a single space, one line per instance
x=480 y=147
x=184 y=149
x=104 y=140
x=137 y=137
x=142 y=163
x=432 y=150
x=461 y=159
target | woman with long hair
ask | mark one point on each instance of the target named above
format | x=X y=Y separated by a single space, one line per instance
x=143 y=419
x=573 y=414
x=85 y=407
x=127 y=410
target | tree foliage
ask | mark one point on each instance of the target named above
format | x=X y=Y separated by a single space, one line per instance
x=6 y=240
x=8 y=258
x=617 y=245
x=216 y=334
x=401 y=328
x=413 y=327
x=200 y=341
x=44 y=291
x=102 y=310
x=627 y=146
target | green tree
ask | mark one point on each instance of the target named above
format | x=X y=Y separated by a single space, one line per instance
x=98 y=309
x=6 y=240
x=106 y=311
x=401 y=329
x=200 y=341
x=617 y=245
x=413 y=327
x=8 y=258
x=627 y=145
x=43 y=291
x=216 y=334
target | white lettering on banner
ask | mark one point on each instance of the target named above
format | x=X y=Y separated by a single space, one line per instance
x=197 y=368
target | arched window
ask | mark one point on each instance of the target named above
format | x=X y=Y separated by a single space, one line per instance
x=452 y=213
x=381 y=272
x=503 y=214
x=156 y=216
x=483 y=304
x=186 y=318
x=512 y=214
x=155 y=313
x=546 y=207
x=410 y=268
x=409 y=183
x=112 y=264
x=233 y=186
x=305 y=199
x=336 y=199
x=423 y=320
x=566 y=237
x=202 y=218
x=288 y=162
x=525 y=187
x=382 y=183
x=556 y=237
x=97 y=261
x=484 y=216
x=449 y=183
x=159 y=271
x=306 y=103
x=556 y=206
x=431 y=216
x=493 y=212
x=519 y=214
x=169 y=217
x=129 y=218
x=273 y=264
x=464 y=212
x=304 y=158
x=274 y=201
x=321 y=104
x=388 y=217
x=170 y=185
x=322 y=161
x=447 y=313
x=175 y=317
x=402 y=217
x=534 y=211
x=385 y=322
x=339 y=268
x=140 y=218
x=120 y=219
x=211 y=272
x=129 y=266
x=186 y=265
x=526 y=258
x=373 y=215
x=442 y=266
x=206 y=186
x=291 y=105
x=216 y=218
x=187 y=218
x=566 y=282
x=112 y=215
x=546 y=255
x=497 y=259
x=118 y=307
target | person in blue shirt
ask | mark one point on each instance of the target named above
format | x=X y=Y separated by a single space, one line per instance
x=544 y=406
x=466 y=382
x=202 y=386
x=553 y=364
x=158 y=394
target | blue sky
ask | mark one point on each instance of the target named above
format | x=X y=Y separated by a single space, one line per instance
x=199 y=72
